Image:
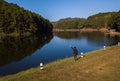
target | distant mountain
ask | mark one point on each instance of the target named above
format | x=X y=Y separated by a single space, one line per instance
x=17 y=20
x=100 y=20
x=69 y=23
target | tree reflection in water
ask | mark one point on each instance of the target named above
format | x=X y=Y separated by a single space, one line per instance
x=16 y=48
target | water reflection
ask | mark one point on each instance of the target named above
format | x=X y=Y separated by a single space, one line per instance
x=21 y=53
x=91 y=37
x=16 y=48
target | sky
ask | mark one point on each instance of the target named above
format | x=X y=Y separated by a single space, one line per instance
x=59 y=9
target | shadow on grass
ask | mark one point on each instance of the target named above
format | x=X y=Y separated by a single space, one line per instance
x=79 y=57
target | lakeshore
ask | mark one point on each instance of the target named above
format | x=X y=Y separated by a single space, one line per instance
x=104 y=30
x=99 y=65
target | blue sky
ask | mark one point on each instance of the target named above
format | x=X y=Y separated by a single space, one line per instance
x=57 y=9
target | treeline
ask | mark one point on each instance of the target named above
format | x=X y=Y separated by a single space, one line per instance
x=69 y=23
x=14 y=19
x=110 y=20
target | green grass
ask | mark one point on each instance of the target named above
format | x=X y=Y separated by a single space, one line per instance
x=100 y=65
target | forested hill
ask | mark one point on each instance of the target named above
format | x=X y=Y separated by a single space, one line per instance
x=100 y=20
x=17 y=20
x=70 y=23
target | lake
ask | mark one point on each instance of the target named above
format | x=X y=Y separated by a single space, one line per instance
x=21 y=53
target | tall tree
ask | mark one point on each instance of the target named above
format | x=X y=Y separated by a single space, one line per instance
x=14 y=19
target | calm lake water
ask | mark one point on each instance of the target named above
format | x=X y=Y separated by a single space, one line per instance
x=21 y=53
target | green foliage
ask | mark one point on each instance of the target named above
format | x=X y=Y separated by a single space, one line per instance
x=16 y=19
x=100 y=20
x=69 y=23
x=114 y=22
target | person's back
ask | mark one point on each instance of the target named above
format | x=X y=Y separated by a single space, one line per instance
x=75 y=52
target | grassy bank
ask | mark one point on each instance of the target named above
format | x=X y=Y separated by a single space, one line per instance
x=100 y=65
